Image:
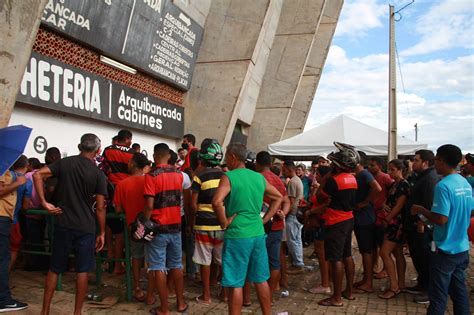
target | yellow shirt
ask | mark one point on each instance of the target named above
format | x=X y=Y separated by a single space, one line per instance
x=7 y=202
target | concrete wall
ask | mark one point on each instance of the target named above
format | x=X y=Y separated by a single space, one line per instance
x=19 y=22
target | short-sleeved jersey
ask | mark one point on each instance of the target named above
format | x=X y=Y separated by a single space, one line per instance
x=341 y=188
x=453 y=199
x=117 y=158
x=205 y=185
x=165 y=185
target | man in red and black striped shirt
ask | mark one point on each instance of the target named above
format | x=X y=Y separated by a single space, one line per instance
x=117 y=157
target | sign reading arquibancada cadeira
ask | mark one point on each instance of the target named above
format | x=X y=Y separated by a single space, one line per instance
x=49 y=83
x=152 y=35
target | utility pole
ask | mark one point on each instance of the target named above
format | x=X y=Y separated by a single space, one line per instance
x=392 y=92
x=416 y=132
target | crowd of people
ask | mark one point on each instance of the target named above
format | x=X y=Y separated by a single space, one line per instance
x=236 y=223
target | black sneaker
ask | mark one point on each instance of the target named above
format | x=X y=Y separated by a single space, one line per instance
x=417 y=289
x=12 y=306
x=422 y=299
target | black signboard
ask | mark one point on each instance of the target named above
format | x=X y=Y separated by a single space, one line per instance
x=55 y=85
x=152 y=35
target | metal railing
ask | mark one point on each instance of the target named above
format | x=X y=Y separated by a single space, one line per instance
x=100 y=257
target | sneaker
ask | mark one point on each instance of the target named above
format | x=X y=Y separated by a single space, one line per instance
x=417 y=289
x=12 y=306
x=422 y=299
x=285 y=293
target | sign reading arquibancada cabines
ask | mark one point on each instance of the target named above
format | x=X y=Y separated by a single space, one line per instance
x=152 y=35
x=49 y=83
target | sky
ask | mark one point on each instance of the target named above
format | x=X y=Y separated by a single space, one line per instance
x=435 y=43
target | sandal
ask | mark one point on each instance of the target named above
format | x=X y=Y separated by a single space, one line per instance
x=140 y=298
x=198 y=300
x=329 y=302
x=184 y=309
x=360 y=290
x=347 y=297
x=394 y=294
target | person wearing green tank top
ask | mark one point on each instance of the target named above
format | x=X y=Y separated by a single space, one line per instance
x=237 y=204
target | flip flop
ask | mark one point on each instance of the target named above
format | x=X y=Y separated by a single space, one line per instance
x=360 y=290
x=184 y=309
x=349 y=298
x=149 y=304
x=246 y=304
x=140 y=298
x=328 y=302
x=395 y=293
x=202 y=302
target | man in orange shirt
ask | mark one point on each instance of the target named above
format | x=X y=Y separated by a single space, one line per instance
x=129 y=198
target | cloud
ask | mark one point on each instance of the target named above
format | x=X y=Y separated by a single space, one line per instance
x=438 y=96
x=446 y=25
x=359 y=16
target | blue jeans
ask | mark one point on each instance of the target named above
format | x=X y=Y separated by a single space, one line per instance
x=447 y=276
x=273 y=243
x=293 y=240
x=164 y=252
x=5 y=227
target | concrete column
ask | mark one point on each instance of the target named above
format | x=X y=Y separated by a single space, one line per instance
x=231 y=64
x=19 y=22
x=297 y=57
x=307 y=87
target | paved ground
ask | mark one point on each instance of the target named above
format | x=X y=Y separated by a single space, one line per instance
x=28 y=287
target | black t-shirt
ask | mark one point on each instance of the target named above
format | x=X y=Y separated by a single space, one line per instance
x=78 y=181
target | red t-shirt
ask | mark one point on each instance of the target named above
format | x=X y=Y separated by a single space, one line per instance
x=385 y=181
x=187 y=160
x=275 y=181
x=129 y=195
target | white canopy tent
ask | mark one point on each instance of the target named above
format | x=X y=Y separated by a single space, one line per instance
x=319 y=140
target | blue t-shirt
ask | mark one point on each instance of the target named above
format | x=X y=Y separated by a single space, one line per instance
x=364 y=216
x=22 y=191
x=453 y=199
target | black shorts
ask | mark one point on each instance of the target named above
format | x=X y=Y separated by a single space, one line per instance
x=379 y=235
x=366 y=238
x=115 y=225
x=82 y=244
x=338 y=240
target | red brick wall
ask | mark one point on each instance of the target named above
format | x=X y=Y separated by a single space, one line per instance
x=55 y=46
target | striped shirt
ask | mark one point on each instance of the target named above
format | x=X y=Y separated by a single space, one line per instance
x=205 y=184
x=117 y=158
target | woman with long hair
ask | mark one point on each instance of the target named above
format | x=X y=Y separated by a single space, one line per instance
x=391 y=219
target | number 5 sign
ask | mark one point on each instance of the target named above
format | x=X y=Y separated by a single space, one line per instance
x=40 y=144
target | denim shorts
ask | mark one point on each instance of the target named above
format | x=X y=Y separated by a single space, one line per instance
x=137 y=250
x=164 y=252
x=82 y=244
x=244 y=259
x=273 y=243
